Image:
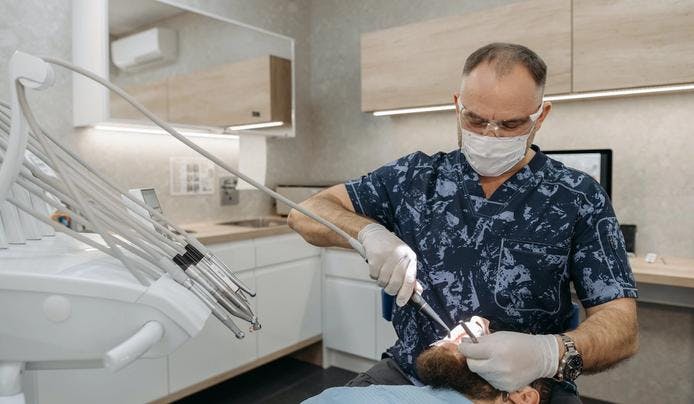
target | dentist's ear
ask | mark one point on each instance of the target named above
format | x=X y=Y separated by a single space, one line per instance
x=457 y=121
x=526 y=395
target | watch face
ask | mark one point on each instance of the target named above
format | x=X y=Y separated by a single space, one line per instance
x=574 y=367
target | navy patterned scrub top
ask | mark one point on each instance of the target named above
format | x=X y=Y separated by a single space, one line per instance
x=509 y=258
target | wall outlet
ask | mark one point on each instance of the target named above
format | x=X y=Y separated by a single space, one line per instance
x=227 y=190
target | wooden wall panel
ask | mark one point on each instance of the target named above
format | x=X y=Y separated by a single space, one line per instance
x=632 y=43
x=420 y=64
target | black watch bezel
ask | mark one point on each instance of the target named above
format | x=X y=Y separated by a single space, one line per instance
x=573 y=367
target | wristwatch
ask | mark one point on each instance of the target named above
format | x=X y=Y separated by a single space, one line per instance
x=571 y=364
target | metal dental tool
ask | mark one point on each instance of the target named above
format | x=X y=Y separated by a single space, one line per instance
x=468 y=331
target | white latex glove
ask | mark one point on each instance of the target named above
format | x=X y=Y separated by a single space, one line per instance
x=510 y=360
x=391 y=261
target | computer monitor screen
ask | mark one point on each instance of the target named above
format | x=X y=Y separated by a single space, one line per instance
x=595 y=162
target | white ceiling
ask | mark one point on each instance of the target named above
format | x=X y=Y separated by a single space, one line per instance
x=125 y=16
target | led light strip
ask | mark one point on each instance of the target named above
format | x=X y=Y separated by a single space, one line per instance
x=158 y=131
x=414 y=110
x=256 y=125
x=559 y=97
x=678 y=88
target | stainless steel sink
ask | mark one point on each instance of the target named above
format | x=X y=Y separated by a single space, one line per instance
x=258 y=222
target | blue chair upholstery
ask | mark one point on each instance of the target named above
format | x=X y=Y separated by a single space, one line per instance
x=388 y=301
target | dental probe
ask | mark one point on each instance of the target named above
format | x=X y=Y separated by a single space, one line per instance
x=416 y=298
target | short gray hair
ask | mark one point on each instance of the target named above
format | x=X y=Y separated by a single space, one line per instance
x=507 y=56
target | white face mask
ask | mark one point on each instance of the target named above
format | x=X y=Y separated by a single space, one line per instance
x=493 y=156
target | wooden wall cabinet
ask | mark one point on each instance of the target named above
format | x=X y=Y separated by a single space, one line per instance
x=154 y=96
x=252 y=91
x=632 y=43
x=420 y=64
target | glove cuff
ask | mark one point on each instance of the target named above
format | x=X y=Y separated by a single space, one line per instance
x=369 y=228
x=550 y=348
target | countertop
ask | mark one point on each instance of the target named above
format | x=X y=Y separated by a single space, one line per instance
x=213 y=233
x=670 y=271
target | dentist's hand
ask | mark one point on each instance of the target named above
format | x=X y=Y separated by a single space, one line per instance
x=511 y=360
x=391 y=261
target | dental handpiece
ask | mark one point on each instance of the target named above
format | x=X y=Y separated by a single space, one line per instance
x=418 y=301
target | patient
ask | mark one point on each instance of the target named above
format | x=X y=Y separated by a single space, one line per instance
x=448 y=380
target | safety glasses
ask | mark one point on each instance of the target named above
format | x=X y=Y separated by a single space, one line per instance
x=499 y=128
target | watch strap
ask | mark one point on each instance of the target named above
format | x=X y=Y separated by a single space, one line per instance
x=569 y=351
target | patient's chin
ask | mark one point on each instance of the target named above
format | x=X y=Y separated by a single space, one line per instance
x=441 y=367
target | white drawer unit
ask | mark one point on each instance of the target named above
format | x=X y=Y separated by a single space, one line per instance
x=289 y=303
x=350 y=317
x=345 y=264
x=284 y=248
x=215 y=350
x=238 y=256
x=353 y=320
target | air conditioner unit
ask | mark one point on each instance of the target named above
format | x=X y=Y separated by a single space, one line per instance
x=145 y=49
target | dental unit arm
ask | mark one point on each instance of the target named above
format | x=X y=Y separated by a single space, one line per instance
x=417 y=300
x=171 y=283
x=61 y=290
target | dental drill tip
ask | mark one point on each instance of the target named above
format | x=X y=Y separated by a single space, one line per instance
x=256 y=325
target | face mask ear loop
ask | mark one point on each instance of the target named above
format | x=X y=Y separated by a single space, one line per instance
x=460 y=130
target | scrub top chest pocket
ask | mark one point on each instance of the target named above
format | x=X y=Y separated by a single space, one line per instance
x=531 y=276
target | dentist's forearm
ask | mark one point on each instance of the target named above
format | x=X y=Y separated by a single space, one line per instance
x=333 y=210
x=607 y=336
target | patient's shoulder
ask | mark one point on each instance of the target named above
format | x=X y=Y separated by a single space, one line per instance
x=379 y=394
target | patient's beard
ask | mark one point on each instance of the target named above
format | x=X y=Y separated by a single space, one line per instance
x=440 y=367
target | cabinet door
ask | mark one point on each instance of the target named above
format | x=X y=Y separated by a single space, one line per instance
x=142 y=381
x=250 y=91
x=278 y=249
x=346 y=264
x=632 y=43
x=214 y=350
x=289 y=303
x=237 y=255
x=152 y=95
x=420 y=64
x=350 y=317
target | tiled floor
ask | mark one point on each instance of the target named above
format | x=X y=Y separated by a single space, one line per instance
x=285 y=380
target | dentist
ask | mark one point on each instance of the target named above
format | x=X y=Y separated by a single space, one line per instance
x=496 y=229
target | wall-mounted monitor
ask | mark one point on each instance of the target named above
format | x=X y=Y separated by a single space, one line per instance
x=595 y=162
